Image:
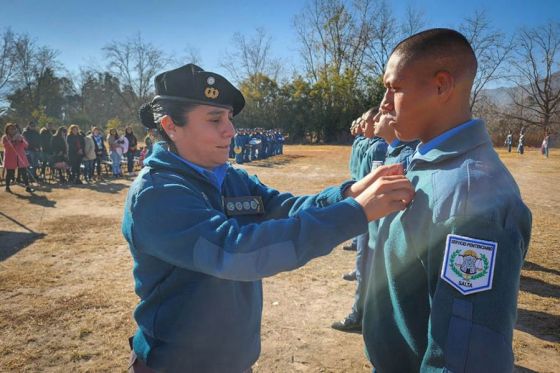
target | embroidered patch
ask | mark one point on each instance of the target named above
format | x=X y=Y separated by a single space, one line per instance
x=248 y=205
x=468 y=264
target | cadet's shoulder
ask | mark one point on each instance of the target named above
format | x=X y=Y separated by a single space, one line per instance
x=473 y=184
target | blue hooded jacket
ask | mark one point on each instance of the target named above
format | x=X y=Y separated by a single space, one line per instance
x=197 y=271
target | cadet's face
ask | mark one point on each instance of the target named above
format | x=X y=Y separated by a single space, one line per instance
x=382 y=127
x=206 y=138
x=409 y=100
x=369 y=127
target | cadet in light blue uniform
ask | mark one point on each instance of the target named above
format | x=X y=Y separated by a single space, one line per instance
x=240 y=143
x=357 y=152
x=443 y=287
x=202 y=233
x=353 y=165
x=375 y=150
x=509 y=141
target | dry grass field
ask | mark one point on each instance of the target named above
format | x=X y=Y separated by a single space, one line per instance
x=66 y=289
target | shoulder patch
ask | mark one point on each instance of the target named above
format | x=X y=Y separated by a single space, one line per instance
x=468 y=264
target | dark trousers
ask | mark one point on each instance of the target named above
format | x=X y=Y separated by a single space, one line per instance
x=11 y=176
x=130 y=161
x=97 y=164
x=75 y=163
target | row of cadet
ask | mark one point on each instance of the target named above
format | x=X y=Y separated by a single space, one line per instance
x=375 y=144
x=67 y=153
x=250 y=144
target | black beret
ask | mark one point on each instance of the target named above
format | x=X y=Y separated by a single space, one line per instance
x=190 y=83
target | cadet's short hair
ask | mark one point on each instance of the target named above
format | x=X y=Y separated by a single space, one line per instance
x=447 y=49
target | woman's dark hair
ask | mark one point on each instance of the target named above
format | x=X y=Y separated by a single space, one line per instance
x=60 y=131
x=151 y=114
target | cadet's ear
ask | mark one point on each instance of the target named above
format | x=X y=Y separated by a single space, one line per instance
x=445 y=84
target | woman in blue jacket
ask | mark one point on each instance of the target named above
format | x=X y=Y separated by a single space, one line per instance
x=203 y=234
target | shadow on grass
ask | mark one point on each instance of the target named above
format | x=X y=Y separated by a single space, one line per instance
x=103 y=186
x=539 y=287
x=36 y=199
x=539 y=324
x=530 y=266
x=11 y=241
x=274 y=161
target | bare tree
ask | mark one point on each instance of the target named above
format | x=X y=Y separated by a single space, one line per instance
x=32 y=60
x=538 y=79
x=385 y=32
x=7 y=58
x=333 y=35
x=384 y=37
x=492 y=51
x=251 y=56
x=135 y=62
x=414 y=21
x=192 y=55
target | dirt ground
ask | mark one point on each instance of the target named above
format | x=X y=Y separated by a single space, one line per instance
x=66 y=288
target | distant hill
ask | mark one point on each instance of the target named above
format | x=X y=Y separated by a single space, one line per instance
x=501 y=96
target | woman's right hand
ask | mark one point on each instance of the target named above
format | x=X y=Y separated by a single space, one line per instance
x=361 y=185
x=386 y=195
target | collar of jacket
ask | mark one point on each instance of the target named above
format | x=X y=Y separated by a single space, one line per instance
x=163 y=159
x=471 y=135
x=397 y=146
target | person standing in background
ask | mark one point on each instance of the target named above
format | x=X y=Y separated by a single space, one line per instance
x=509 y=141
x=89 y=156
x=132 y=146
x=545 y=145
x=34 y=147
x=14 y=156
x=115 y=151
x=76 y=146
x=100 y=151
x=46 y=153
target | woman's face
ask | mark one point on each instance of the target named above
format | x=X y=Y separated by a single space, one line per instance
x=74 y=131
x=206 y=137
x=96 y=132
x=112 y=132
x=12 y=131
x=129 y=130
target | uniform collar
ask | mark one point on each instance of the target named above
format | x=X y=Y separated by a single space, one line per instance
x=397 y=146
x=455 y=141
x=216 y=176
x=393 y=145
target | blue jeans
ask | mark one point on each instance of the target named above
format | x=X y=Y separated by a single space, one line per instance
x=88 y=169
x=116 y=163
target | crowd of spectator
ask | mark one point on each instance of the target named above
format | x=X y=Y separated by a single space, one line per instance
x=68 y=155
